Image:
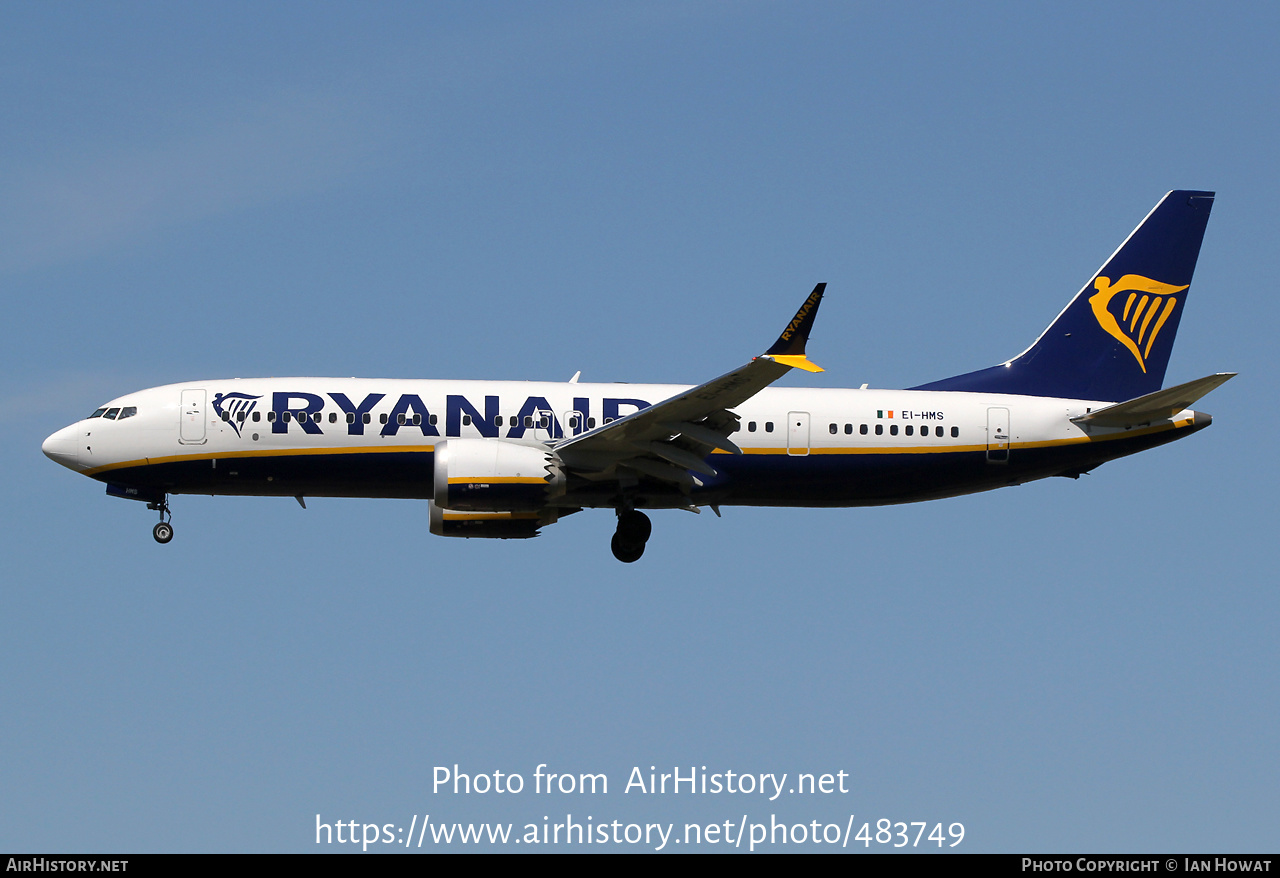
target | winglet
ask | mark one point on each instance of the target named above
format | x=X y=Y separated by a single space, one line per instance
x=789 y=348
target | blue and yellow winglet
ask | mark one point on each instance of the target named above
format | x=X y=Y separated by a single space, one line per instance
x=644 y=436
x=789 y=348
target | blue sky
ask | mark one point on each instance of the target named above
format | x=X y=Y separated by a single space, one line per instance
x=642 y=192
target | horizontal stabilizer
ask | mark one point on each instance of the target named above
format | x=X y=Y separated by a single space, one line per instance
x=1158 y=406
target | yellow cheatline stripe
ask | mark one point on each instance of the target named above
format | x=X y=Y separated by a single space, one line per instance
x=486 y=516
x=878 y=449
x=263 y=452
x=505 y=480
x=874 y=449
x=906 y=449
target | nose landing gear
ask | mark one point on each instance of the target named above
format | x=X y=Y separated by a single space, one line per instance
x=163 y=532
x=633 y=532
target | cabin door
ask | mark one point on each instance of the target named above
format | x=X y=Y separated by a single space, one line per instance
x=997 y=435
x=192 y=426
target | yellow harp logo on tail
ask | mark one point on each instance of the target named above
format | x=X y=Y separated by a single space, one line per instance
x=1145 y=310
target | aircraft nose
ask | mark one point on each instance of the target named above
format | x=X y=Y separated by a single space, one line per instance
x=62 y=447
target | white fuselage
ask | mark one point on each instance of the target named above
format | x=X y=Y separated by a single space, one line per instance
x=270 y=429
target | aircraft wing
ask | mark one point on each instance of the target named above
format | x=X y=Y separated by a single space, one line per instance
x=1154 y=406
x=672 y=437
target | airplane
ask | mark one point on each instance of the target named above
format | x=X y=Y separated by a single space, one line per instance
x=504 y=459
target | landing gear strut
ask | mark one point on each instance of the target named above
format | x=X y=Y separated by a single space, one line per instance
x=633 y=532
x=163 y=532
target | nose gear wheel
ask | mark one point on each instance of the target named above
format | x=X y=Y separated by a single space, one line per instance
x=163 y=532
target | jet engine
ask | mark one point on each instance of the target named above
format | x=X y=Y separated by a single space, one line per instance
x=490 y=525
x=492 y=475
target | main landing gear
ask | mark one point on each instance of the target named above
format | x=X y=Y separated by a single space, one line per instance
x=163 y=532
x=633 y=532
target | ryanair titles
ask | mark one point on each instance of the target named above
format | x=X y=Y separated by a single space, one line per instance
x=809 y=304
x=316 y=413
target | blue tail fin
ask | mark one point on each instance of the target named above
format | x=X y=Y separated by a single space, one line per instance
x=1112 y=342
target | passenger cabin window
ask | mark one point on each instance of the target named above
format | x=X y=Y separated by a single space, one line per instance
x=226 y=416
x=879 y=429
x=591 y=423
x=955 y=432
x=862 y=428
x=924 y=431
x=938 y=432
x=751 y=426
x=497 y=420
x=893 y=429
x=417 y=420
x=382 y=418
x=257 y=416
x=848 y=429
x=466 y=420
x=768 y=426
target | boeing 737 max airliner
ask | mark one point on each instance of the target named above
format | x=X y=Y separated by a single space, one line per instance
x=503 y=459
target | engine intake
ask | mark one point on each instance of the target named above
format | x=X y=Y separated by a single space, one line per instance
x=492 y=475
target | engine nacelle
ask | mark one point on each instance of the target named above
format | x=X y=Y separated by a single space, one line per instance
x=490 y=525
x=491 y=475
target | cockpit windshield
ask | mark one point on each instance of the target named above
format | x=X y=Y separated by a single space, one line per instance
x=115 y=414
